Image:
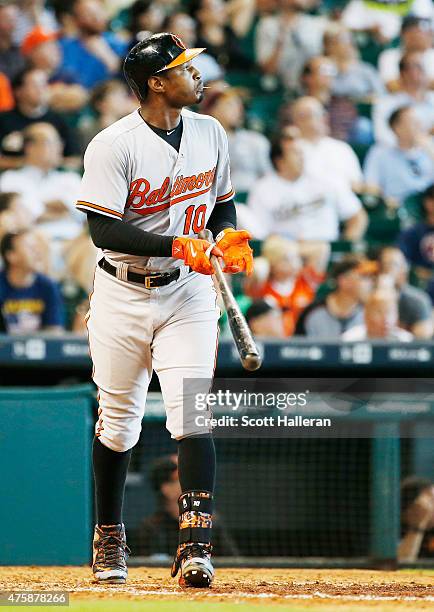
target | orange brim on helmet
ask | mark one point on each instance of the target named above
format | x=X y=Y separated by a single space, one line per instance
x=182 y=58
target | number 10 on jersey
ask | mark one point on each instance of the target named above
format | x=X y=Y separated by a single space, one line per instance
x=194 y=219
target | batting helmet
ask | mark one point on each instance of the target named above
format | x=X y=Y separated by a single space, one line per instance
x=153 y=55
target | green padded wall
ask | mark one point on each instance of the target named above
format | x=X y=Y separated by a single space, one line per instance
x=45 y=482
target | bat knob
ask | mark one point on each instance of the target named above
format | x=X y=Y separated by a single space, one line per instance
x=252 y=361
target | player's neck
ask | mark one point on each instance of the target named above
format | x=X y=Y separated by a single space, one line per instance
x=160 y=117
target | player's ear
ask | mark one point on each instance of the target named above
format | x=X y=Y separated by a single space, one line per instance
x=156 y=84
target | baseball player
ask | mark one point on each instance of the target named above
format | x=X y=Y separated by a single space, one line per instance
x=153 y=180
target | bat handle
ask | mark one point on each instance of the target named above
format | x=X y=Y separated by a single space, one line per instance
x=247 y=349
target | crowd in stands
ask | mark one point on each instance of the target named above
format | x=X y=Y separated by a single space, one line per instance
x=329 y=111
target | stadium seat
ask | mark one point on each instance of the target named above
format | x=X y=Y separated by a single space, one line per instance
x=364 y=109
x=248 y=80
x=241 y=197
x=369 y=48
x=256 y=246
x=343 y=247
x=360 y=150
x=262 y=111
x=412 y=209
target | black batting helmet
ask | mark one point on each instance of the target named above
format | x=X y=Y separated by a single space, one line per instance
x=153 y=55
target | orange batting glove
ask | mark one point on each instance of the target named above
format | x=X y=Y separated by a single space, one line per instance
x=237 y=254
x=196 y=253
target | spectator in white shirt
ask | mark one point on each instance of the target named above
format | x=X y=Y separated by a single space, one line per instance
x=383 y=23
x=285 y=40
x=381 y=320
x=300 y=205
x=416 y=35
x=414 y=92
x=321 y=152
x=249 y=151
x=48 y=194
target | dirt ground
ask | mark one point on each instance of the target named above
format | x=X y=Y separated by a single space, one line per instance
x=378 y=590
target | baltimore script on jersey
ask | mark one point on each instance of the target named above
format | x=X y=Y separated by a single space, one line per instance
x=141 y=194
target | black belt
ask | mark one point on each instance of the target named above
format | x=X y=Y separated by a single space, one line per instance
x=150 y=281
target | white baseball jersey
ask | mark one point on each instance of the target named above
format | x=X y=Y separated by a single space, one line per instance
x=132 y=174
x=308 y=208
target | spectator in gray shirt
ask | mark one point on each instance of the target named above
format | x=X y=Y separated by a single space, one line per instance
x=354 y=78
x=342 y=309
x=414 y=307
x=397 y=171
x=249 y=151
x=11 y=60
x=286 y=39
x=414 y=92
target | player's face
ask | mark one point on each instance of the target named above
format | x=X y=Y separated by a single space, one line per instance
x=184 y=85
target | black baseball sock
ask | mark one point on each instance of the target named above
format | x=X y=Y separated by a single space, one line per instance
x=196 y=470
x=196 y=463
x=110 y=472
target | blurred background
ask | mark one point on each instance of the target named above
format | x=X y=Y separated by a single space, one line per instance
x=329 y=111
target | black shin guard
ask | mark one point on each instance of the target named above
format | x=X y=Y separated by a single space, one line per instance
x=195 y=524
x=196 y=469
x=195 y=517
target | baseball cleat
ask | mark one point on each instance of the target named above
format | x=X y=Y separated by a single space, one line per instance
x=194 y=561
x=110 y=553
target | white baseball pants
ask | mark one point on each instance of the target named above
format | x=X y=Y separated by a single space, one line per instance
x=133 y=330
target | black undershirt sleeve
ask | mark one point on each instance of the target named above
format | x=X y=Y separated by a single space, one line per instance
x=223 y=215
x=115 y=235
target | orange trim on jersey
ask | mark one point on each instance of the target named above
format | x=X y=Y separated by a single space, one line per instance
x=187 y=196
x=223 y=197
x=101 y=208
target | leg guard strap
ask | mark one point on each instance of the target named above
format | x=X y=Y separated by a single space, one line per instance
x=195 y=517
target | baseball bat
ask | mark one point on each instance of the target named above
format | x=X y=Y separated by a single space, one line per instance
x=247 y=349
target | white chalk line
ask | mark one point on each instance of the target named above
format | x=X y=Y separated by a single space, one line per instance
x=241 y=594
